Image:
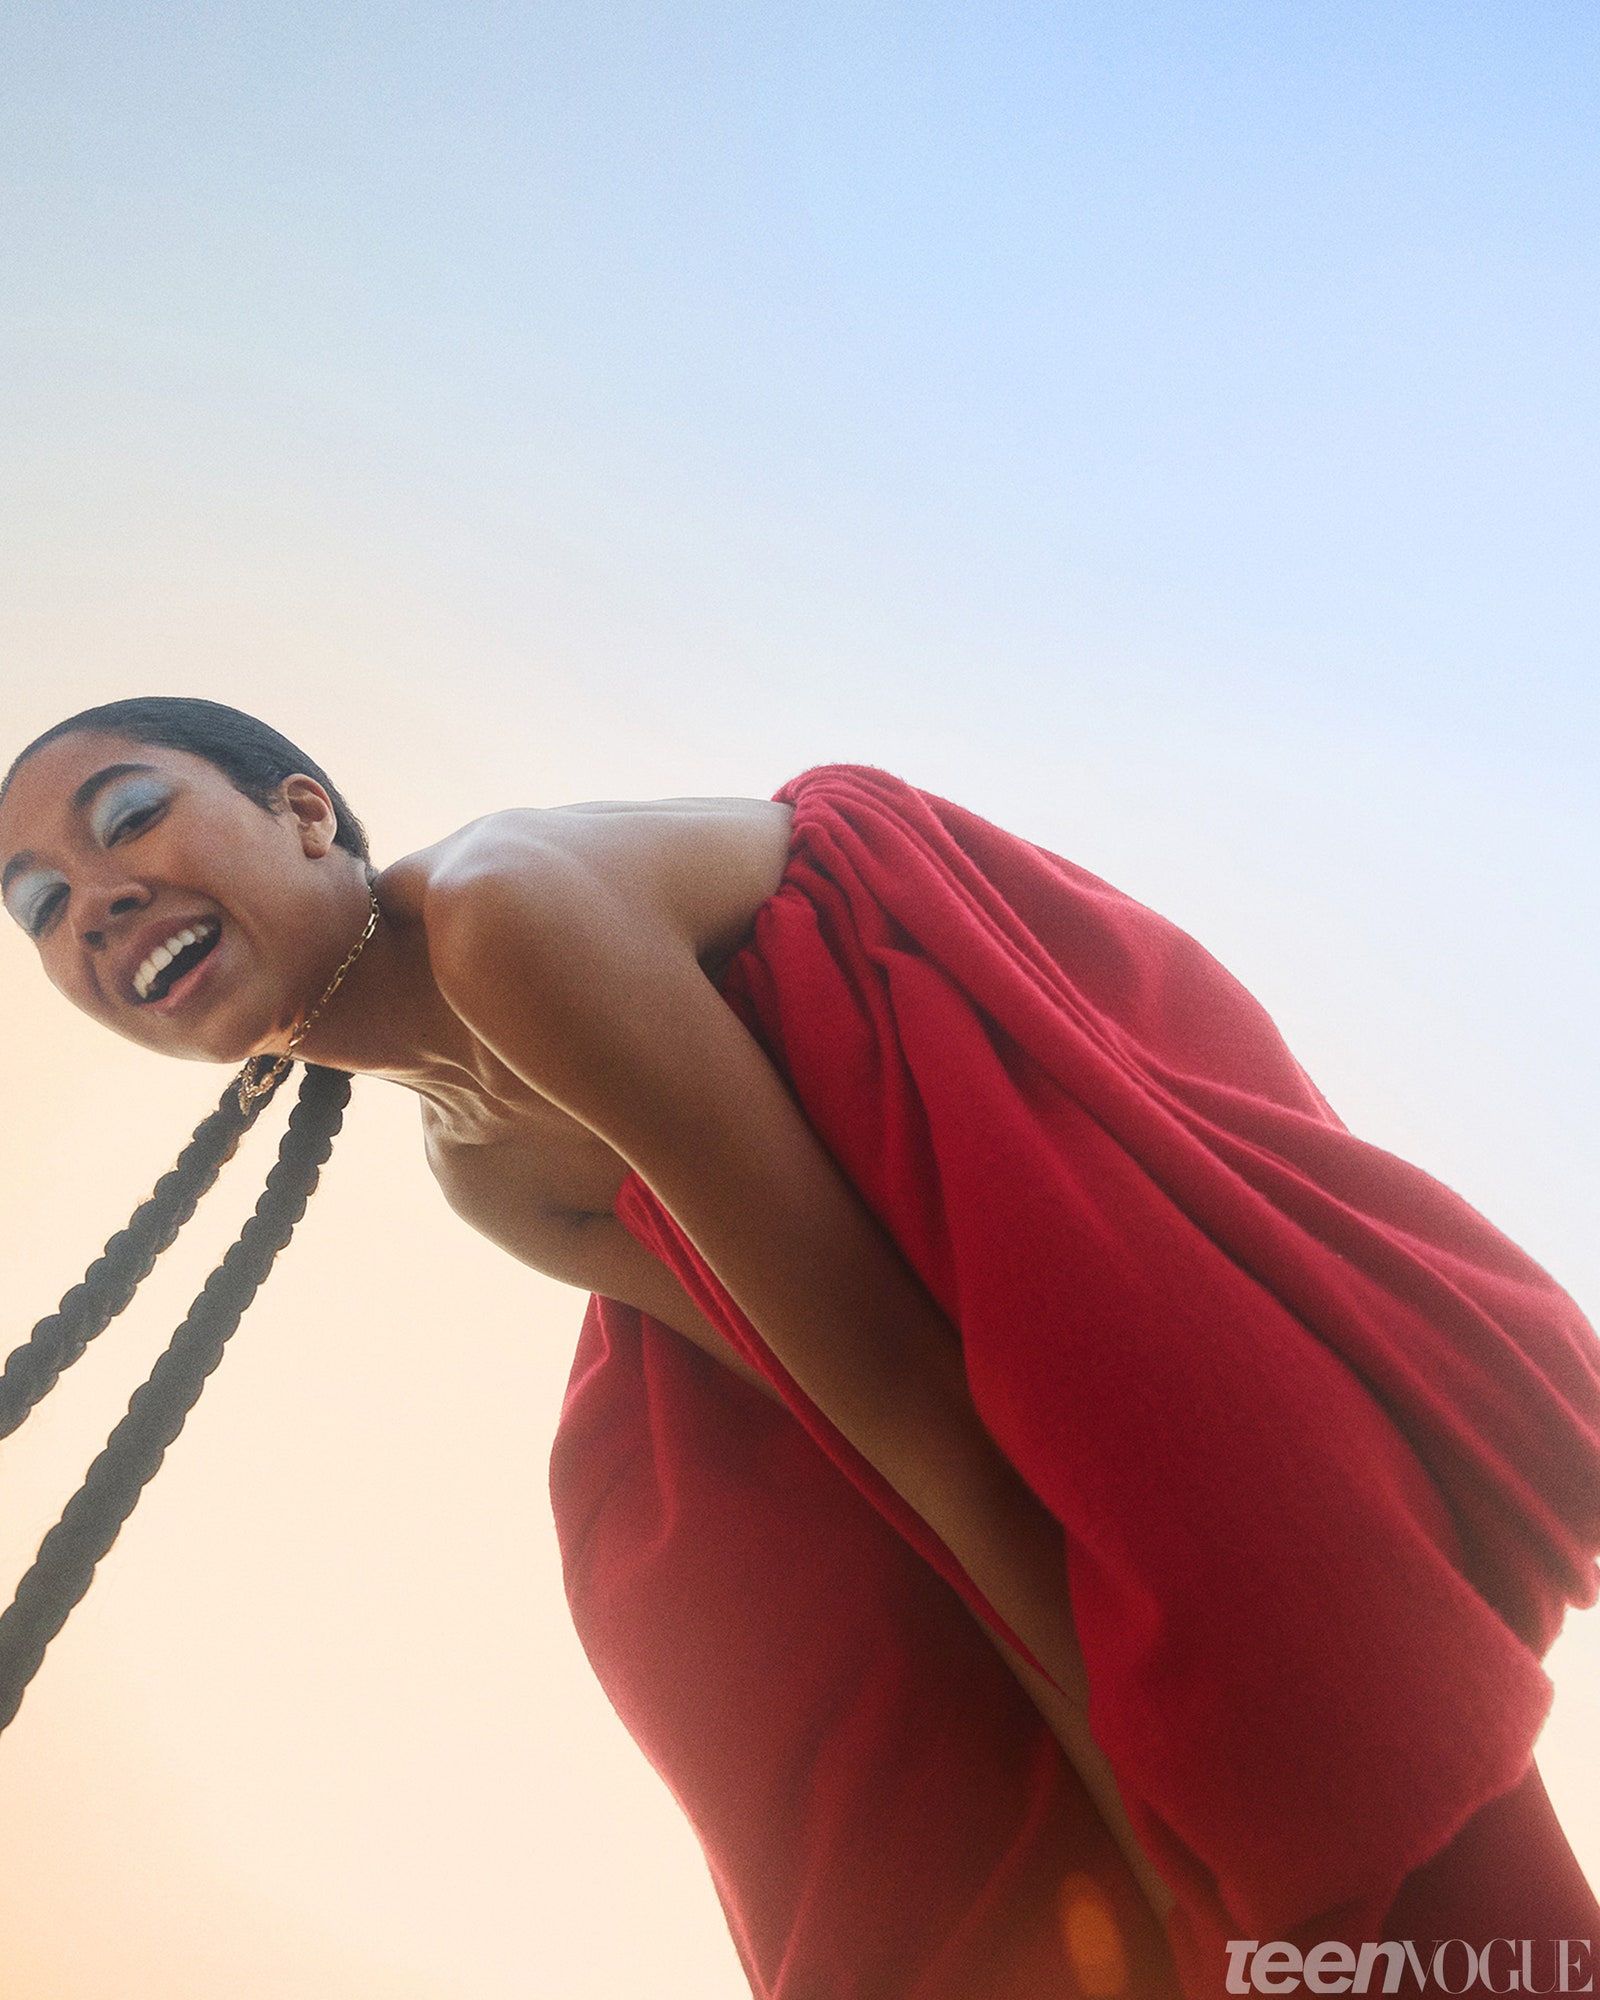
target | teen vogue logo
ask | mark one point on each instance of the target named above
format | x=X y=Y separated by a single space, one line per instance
x=1503 y=1965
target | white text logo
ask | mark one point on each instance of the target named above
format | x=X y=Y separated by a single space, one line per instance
x=1503 y=1965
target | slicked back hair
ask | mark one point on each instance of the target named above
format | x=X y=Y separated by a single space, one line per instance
x=251 y=754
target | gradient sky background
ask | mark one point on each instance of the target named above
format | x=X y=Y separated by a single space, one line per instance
x=1169 y=429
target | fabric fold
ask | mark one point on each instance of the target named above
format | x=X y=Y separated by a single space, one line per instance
x=1325 y=1447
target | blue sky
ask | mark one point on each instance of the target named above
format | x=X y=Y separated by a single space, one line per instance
x=1226 y=357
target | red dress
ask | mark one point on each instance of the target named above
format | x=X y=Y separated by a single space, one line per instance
x=1325 y=1448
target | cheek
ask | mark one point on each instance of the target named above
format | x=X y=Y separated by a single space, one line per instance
x=63 y=967
x=232 y=854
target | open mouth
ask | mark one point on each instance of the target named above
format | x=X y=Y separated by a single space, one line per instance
x=179 y=954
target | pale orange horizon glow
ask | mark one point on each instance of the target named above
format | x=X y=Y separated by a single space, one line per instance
x=321 y=1726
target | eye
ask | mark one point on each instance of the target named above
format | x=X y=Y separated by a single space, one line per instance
x=45 y=912
x=133 y=822
x=124 y=811
x=36 y=901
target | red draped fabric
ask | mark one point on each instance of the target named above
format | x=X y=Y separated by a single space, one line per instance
x=1325 y=1448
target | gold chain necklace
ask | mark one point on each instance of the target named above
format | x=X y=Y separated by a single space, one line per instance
x=251 y=1086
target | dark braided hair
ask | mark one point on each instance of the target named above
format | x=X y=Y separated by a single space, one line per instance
x=65 y=1565
x=257 y=760
x=127 y=1260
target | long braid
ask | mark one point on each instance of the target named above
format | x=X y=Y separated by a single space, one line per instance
x=65 y=1565
x=127 y=1260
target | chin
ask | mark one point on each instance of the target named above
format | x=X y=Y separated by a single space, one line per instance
x=209 y=1041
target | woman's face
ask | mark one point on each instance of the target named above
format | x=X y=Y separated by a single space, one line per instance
x=164 y=902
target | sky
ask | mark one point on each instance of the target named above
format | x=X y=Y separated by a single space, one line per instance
x=1170 y=430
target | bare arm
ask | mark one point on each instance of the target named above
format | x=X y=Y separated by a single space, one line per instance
x=584 y=978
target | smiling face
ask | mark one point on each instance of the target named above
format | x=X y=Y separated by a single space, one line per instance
x=169 y=906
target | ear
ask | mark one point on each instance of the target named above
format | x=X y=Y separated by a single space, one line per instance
x=311 y=811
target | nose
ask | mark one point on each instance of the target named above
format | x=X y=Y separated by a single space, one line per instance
x=101 y=909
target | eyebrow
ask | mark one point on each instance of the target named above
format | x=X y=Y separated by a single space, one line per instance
x=84 y=796
x=89 y=790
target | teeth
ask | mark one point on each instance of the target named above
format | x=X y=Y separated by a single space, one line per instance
x=162 y=957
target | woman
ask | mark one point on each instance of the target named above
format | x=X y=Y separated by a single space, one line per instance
x=852 y=1110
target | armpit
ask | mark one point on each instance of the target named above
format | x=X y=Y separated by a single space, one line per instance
x=605 y=1258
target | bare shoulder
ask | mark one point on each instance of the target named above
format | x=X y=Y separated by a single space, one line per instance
x=531 y=904
x=699 y=869
x=574 y=945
